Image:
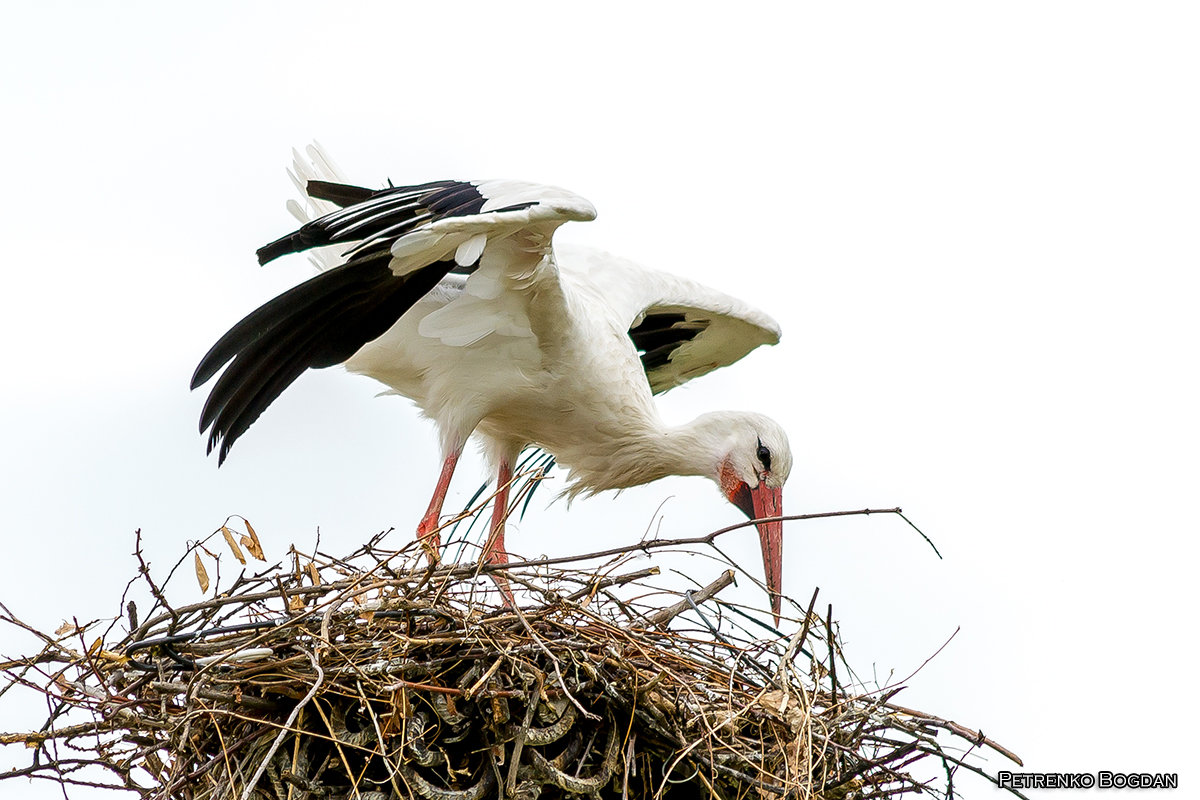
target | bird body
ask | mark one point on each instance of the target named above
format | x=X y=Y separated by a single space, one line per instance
x=565 y=376
x=452 y=294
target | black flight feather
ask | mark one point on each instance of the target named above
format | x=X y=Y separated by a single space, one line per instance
x=320 y=323
x=658 y=336
x=374 y=212
x=304 y=298
x=326 y=319
x=340 y=193
x=457 y=200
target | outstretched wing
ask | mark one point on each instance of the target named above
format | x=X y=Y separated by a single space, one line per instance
x=401 y=241
x=681 y=329
x=680 y=341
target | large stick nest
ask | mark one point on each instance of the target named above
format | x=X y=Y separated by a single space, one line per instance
x=377 y=677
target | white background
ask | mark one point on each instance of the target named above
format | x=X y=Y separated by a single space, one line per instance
x=977 y=225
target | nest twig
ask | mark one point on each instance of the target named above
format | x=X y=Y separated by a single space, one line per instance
x=374 y=676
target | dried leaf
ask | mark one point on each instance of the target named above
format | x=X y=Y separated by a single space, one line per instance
x=229 y=540
x=248 y=543
x=785 y=706
x=254 y=546
x=114 y=658
x=201 y=573
x=314 y=574
x=500 y=712
x=96 y=645
x=296 y=603
x=66 y=628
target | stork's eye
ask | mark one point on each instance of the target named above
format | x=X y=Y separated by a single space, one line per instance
x=764 y=455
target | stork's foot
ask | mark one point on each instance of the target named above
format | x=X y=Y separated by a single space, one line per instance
x=430 y=540
x=496 y=555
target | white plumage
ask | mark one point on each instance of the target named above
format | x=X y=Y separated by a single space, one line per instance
x=452 y=294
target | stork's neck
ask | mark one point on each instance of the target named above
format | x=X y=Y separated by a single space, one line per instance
x=645 y=453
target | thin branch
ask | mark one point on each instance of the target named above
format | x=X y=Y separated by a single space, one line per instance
x=958 y=730
x=661 y=618
x=657 y=544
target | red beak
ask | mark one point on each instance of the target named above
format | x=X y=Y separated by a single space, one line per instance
x=762 y=502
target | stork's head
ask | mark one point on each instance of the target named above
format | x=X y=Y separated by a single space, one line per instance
x=753 y=462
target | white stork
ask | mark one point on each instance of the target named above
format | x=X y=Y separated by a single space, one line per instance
x=452 y=294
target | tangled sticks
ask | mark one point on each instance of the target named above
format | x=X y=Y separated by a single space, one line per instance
x=442 y=753
x=451 y=748
x=375 y=677
x=418 y=702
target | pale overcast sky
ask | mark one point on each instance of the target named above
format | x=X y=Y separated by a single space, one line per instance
x=976 y=223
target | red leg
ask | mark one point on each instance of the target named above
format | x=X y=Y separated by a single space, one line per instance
x=493 y=550
x=427 y=529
